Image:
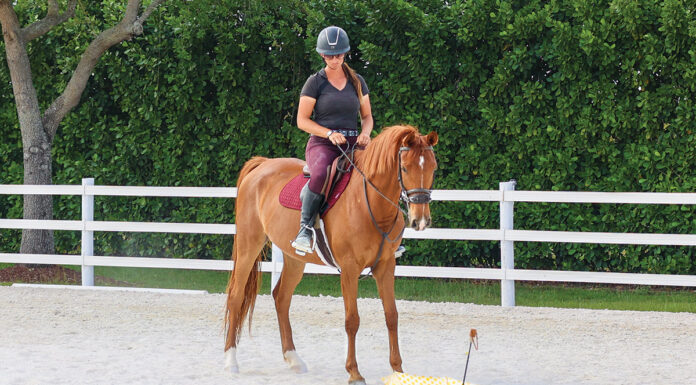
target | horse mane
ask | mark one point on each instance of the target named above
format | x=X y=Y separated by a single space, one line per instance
x=380 y=155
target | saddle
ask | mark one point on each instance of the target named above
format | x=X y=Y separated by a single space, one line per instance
x=338 y=176
x=336 y=182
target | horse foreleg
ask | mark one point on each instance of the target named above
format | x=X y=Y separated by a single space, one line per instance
x=384 y=275
x=282 y=294
x=349 y=287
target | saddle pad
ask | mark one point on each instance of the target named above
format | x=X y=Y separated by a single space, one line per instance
x=290 y=194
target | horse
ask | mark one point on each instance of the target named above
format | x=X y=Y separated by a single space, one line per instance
x=364 y=229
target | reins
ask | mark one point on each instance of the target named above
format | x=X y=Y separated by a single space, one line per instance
x=365 y=180
x=420 y=195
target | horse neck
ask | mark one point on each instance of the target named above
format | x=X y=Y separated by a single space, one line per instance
x=385 y=185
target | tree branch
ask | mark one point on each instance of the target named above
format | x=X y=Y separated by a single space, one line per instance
x=132 y=10
x=154 y=4
x=131 y=25
x=53 y=18
x=138 y=24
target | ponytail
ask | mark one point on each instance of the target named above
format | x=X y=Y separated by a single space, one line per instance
x=353 y=77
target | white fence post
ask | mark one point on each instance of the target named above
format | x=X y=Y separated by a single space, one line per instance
x=87 y=236
x=507 y=248
x=277 y=263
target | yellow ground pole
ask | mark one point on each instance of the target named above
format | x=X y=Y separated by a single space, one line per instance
x=397 y=378
x=409 y=379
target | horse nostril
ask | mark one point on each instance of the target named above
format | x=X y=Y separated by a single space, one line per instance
x=428 y=222
x=414 y=224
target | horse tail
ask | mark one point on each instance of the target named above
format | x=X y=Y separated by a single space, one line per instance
x=251 y=288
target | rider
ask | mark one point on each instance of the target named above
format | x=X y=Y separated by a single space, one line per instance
x=335 y=96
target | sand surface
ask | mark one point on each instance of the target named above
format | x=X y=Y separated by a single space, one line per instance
x=61 y=336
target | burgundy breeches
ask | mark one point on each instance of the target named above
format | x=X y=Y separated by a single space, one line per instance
x=320 y=153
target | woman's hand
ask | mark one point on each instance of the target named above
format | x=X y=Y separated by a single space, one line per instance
x=363 y=140
x=337 y=138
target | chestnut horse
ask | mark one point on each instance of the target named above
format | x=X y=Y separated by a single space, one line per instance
x=364 y=229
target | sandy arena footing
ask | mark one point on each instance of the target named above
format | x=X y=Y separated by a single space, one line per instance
x=61 y=336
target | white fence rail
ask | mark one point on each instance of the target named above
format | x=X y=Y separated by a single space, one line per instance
x=506 y=234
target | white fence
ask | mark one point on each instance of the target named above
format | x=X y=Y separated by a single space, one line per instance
x=506 y=235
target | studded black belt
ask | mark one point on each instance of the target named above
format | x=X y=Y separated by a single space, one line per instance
x=348 y=132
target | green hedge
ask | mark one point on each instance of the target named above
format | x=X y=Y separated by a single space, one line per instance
x=560 y=95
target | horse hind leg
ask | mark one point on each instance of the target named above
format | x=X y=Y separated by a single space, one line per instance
x=282 y=295
x=242 y=289
x=231 y=364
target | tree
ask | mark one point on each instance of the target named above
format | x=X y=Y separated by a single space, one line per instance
x=39 y=128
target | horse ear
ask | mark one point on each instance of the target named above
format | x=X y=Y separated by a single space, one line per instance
x=409 y=140
x=431 y=139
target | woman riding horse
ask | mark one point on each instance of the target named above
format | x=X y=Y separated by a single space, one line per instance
x=398 y=165
x=335 y=94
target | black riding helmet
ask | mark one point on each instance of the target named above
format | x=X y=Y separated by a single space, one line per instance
x=333 y=41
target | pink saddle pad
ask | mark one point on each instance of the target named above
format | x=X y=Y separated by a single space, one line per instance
x=290 y=194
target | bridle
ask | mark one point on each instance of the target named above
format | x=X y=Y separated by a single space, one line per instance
x=416 y=195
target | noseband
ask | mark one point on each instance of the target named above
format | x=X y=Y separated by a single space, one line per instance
x=415 y=195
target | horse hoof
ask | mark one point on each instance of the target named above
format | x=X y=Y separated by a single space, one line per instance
x=357 y=382
x=295 y=362
x=231 y=361
x=299 y=369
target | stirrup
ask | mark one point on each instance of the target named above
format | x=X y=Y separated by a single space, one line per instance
x=313 y=243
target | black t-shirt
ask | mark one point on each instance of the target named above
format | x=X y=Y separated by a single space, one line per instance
x=334 y=108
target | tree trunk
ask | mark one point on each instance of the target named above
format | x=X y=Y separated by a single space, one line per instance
x=39 y=131
x=36 y=144
x=37 y=170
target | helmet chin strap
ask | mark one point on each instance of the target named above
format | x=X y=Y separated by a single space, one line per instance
x=336 y=67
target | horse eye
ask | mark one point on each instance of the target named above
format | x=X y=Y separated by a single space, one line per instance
x=403 y=169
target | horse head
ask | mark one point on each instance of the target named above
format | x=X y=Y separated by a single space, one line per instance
x=417 y=166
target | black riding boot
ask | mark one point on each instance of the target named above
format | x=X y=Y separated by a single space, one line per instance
x=311 y=202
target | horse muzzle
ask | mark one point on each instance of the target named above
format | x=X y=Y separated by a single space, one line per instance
x=420 y=223
x=418 y=201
